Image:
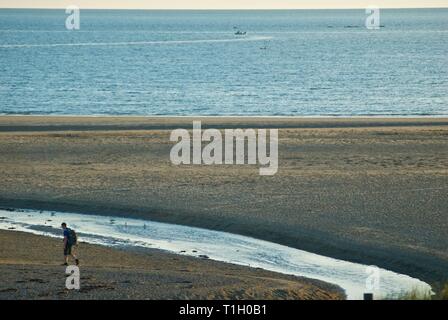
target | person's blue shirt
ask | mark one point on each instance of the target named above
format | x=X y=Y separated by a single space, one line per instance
x=67 y=234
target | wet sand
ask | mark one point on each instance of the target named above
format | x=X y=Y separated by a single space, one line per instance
x=30 y=269
x=367 y=190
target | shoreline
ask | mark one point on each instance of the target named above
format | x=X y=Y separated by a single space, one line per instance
x=139 y=273
x=42 y=123
x=371 y=234
x=425 y=267
x=217 y=246
x=324 y=116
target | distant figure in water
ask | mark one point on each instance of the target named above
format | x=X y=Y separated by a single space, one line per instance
x=70 y=241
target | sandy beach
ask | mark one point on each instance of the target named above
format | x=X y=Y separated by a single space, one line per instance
x=368 y=190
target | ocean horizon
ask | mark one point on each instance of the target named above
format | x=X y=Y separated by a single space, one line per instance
x=191 y=63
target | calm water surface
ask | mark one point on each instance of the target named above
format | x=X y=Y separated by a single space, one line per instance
x=319 y=62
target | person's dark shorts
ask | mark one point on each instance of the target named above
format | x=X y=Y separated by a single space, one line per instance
x=67 y=249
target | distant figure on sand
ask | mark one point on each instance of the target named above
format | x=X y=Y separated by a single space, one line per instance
x=70 y=240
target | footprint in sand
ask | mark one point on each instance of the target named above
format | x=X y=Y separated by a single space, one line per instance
x=37 y=280
x=8 y=290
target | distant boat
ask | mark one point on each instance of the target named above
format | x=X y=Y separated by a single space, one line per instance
x=265 y=47
x=240 y=33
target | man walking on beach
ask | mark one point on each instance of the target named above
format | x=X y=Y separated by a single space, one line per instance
x=70 y=240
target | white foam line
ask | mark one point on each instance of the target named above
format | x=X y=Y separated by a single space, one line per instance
x=119 y=31
x=337 y=29
x=219 y=246
x=229 y=115
x=131 y=43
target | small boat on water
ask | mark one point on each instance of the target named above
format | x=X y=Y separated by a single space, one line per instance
x=240 y=33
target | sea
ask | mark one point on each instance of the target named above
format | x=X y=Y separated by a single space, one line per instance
x=226 y=63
